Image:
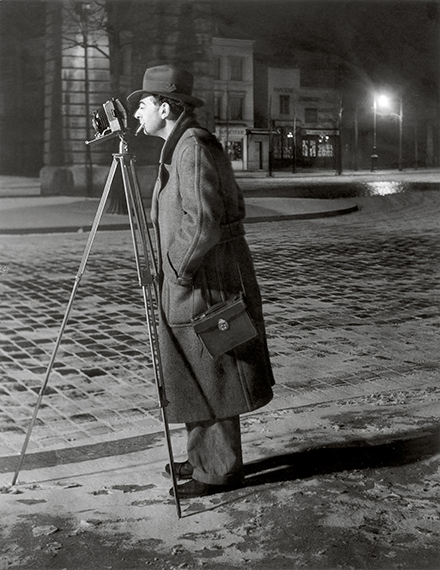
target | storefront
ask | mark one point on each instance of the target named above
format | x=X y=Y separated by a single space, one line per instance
x=319 y=147
x=233 y=140
x=284 y=145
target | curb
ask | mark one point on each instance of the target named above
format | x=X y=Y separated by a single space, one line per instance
x=92 y=451
x=126 y=226
x=310 y=216
x=63 y=229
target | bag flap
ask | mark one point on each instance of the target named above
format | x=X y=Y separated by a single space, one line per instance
x=226 y=311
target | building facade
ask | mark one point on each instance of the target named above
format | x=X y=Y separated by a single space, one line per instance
x=233 y=72
x=96 y=51
x=302 y=115
x=68 y=57
x=77 y=80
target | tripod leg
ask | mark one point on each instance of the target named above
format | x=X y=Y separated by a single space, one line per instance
x=146 y=276
x=79 y=275
x=143 y=224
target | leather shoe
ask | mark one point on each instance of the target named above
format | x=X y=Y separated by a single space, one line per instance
x=193 y=488
x=182 y=470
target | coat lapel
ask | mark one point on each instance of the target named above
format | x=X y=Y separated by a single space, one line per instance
x=184 y=122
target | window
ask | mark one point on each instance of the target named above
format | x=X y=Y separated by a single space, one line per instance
x=217 y=106
x=284 y=104
x=325 y=149
x=311 y=115
x=236 y=68
x=217 y=67
x=235 y=107
x=309 y=148
x=235 y=150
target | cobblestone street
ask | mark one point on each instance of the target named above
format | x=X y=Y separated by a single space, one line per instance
x=342 y=466
x=351 y=306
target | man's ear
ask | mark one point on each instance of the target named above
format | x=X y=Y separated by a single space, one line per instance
x=165 y=110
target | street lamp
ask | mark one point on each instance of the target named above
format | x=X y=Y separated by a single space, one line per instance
x=339 y=151
x=400 y=132
x=374 y=156
x=269 y=119
x=381 y=101
x=291 y=137
x=356 y=139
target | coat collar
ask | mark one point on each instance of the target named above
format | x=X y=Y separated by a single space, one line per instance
x=184 y=122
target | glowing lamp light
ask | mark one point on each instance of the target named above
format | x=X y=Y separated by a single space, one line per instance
x=383 y=101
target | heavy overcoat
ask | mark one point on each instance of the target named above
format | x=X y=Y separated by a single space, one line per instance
x=203 y=257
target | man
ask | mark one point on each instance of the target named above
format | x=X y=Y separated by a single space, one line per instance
x=203 y=258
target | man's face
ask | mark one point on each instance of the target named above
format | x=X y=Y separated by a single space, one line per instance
x=150 y=116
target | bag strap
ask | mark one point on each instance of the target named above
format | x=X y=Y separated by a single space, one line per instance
x=205 y=279
x=207 y=289
x=238 y=268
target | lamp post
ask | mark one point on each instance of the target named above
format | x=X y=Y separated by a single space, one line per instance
x=269 y=114
x=416 y=146
x=356 y=139
x=374 y=156
x=384 y=102
x=400 y=133
x=291 y=137
x=339 y=151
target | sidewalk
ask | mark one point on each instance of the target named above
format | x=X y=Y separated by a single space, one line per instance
x=23 y=210
x=65 y=214
x=328 y=487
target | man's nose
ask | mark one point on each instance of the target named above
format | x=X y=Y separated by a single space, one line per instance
x=136 y=115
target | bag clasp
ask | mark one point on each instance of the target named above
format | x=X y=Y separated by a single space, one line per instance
x=222 y=325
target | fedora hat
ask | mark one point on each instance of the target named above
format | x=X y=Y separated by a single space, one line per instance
x=169 y=81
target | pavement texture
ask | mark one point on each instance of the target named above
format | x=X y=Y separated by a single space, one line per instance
x=342 y=467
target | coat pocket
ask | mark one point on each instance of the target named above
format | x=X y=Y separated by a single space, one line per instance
x=180 y=304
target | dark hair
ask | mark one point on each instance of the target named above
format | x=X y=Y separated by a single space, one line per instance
x=177 y=107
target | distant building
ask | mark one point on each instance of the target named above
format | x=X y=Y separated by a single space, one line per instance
x=300 y=106
x=233 y=71
x=66 y=58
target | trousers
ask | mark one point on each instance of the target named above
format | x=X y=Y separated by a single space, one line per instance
x=214 y=450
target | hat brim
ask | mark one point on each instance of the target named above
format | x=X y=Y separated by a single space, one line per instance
x=136 y=96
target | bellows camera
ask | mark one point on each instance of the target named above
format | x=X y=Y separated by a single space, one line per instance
x=110 y=120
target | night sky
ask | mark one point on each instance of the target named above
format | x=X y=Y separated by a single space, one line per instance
x=386 y=42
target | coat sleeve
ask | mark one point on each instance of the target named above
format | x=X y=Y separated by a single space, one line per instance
x=202 y=211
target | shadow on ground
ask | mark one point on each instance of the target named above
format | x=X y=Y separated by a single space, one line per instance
x=404 y=449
